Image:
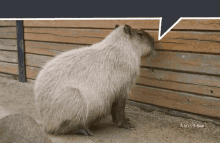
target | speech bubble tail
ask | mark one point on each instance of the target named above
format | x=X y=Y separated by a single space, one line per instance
x=163 y=29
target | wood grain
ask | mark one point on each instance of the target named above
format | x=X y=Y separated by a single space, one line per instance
x=68 y=32
x=189 y=62
x=64 y=39
x=181 y=77
x=7 y=23
x=199 y=24
x=203 y=42
x=36 y=60
x=166 y=79
x=8 y=32
x=177 y=100
x=181 y=87
x=8 y=44
x=9 y=56
x=186 y=62
x=195 y=24
x=200 y=84
x=51 y=49
x=9 y=76
x=173 y=112
x=188 y=41
x=159 y=78
x=32 y=72
x=10 y=68
x=92 y=23
x=31 y=59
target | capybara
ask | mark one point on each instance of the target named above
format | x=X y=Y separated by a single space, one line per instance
x=20 y=128
x=79 y=87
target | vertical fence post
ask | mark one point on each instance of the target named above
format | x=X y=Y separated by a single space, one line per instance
x=21 y=52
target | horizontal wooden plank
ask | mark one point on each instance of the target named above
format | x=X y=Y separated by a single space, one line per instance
x=206 y=42
x=180 y=77
x=189 y=86
x=36 y=60
x=189 y=62
x=205 y=65
x=7 y=23
x=8 y=32
x=8 y=44
x=31 y=72
x=196 y=24
x=68 y=32
x=9 y=56
x=203 y=42
x=178 y=86
x=211 y=91
x=164 y=79
x=185 y=62
x=31 y=59
x=177 y=100
x=199 y=24
x=46 y=48
x=10 y=68
x=80 y=36
x=92 y=23
x=56 y=38
x=9 y=76
x=190 y=46
x=173 y=112
x=201 y=84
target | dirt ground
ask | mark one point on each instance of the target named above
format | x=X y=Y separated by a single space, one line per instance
x=151 y=127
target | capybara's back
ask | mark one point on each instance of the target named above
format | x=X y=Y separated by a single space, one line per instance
x=20 y=128
x=78 y=87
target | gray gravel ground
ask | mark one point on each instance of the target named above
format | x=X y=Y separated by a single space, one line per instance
x=151 y=127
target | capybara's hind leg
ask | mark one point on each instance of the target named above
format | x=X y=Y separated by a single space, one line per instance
x=68 y=113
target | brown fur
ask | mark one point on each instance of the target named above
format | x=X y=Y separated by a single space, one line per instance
x=19 y=128
x=78 y=87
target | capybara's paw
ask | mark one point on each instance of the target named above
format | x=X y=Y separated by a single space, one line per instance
x=126 y=125
x=116 y=121
x=85 y=132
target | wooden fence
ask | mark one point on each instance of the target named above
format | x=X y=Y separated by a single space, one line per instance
x=185 y=75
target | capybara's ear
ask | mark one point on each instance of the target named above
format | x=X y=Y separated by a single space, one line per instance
x=116 y=26
x=141 y=32
x=127 y=29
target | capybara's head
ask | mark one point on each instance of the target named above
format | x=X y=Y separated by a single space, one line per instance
x=142 y=41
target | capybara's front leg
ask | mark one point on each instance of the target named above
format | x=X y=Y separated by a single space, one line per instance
x=113 y=112
x=120 y=114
